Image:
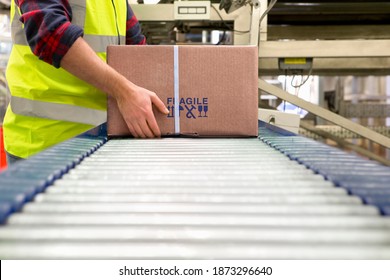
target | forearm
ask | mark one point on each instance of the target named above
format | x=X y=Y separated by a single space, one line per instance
x=134 y=102
x=82 y=62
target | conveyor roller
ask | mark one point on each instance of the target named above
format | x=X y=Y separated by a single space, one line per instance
x=276 y=197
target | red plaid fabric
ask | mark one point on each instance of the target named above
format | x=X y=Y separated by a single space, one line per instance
x=50 y=33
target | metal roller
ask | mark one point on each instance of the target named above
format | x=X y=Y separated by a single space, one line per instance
x=199 y=199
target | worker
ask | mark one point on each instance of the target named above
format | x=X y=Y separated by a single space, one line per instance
x=58 y=77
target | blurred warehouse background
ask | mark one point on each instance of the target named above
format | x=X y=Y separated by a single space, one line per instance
x=346 y=78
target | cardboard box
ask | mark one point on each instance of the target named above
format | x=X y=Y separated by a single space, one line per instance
x=216 y=86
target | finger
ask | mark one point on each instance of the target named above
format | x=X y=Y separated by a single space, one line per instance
x=151 y=120
x=132 y=130
x=139 y=131
x=146 y=130
x=159 y=104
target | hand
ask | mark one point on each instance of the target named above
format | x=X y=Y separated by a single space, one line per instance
x=136 y=109
x=135 y=103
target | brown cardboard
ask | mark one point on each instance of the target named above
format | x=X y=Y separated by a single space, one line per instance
x=223 y=78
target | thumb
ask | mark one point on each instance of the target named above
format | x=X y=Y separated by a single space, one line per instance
x=159 y=104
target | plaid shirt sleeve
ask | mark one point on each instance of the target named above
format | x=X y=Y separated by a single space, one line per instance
x=48 y=28
x=133 y=29
x=50 y=33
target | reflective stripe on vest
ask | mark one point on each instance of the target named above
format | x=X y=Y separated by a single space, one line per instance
x=55 y=111
x=18 y=36
x=97 y=42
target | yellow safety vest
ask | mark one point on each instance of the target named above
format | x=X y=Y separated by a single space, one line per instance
x=50 y=105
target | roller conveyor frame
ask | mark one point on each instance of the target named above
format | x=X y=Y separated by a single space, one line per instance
x=366 y=180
